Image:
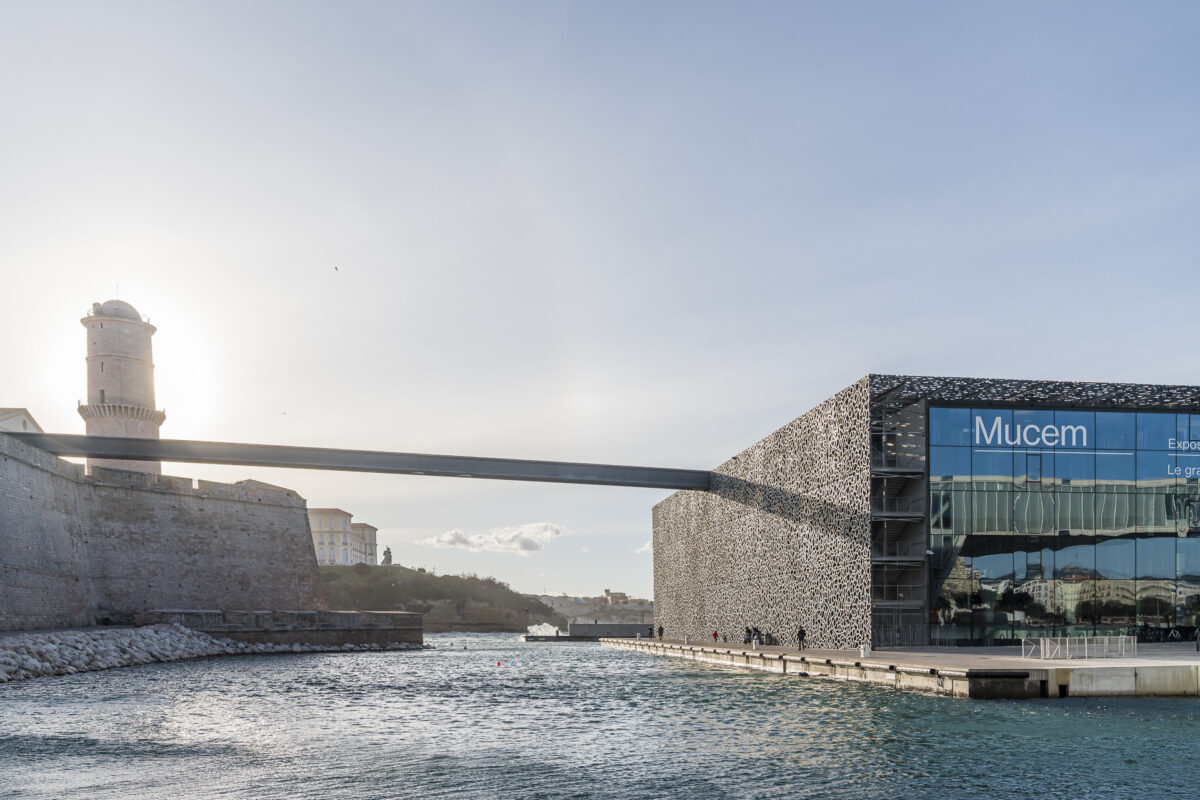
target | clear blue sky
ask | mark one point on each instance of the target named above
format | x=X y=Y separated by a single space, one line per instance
x=626 y=232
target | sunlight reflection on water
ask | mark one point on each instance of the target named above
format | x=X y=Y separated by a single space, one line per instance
x=567 y=720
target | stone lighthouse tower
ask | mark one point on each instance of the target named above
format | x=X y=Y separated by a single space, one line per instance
x=120 y=379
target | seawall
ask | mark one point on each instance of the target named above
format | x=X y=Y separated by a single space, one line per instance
x=35 y=655
x=77 y=550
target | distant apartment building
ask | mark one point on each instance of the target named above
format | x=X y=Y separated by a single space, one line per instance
x=337 y=540
x=610 y=607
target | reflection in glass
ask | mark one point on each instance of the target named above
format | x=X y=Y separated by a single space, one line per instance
x=992 y=466
x=1114 y=610
x=948 y=463
x=1187 y=583
x=1115 y=472
x=1054 y=540
x=1033 y=598
x=1155 y=561
x=1034 y=512
x=1116 y=430
x=1075 y=584
x=1033 y=470
x=992 y=566
x=1155 y=469
x=992 y=511
x=950 y=426
x=1075 y=468
x=1155 y=430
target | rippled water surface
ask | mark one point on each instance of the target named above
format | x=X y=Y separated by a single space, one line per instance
x=567 y=720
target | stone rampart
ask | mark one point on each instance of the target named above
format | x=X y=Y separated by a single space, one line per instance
x=76 y=550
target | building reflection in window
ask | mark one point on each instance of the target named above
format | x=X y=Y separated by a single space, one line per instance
x=1099 y=533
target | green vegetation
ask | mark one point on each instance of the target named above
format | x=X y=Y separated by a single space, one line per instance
x=449 y=602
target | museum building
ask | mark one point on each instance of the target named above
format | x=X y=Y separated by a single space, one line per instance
x=947 y=511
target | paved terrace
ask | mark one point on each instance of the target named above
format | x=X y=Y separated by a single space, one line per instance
x=994 y=672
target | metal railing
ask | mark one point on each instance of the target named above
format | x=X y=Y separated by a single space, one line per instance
x=1080 y=647
x=888 y=548
x=899 y=505
x=885 y=635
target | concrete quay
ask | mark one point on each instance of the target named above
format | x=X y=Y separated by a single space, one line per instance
x=1163 y=670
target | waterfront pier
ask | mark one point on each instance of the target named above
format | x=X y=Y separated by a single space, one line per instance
x=1164 y=670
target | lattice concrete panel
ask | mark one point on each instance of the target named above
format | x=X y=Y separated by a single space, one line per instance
x=1038 y=393
x=781 y=540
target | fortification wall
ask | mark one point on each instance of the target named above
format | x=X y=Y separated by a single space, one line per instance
x=77 y=549
x=782 y=539
x=44 y=578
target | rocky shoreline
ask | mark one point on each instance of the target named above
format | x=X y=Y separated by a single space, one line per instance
x=33 y=655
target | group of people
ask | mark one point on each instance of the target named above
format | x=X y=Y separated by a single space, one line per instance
x=756 y=637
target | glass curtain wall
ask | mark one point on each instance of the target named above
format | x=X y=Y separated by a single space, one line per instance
x=1062 y=523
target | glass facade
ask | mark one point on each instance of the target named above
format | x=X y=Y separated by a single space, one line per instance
x=1054 y=523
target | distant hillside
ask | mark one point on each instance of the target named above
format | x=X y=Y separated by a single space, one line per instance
x=449 y=602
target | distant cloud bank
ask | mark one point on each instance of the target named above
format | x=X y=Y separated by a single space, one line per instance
x=520 y=539
x=648 y=547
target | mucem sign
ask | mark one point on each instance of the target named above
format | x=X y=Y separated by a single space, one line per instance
x=921 y=510
x=1029 y=435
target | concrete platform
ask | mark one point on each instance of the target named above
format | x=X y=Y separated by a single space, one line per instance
x=1159 y=670
x=321 y=628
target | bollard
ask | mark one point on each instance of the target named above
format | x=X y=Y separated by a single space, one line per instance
x=864 y=650
x=687 y=639
x=754 y=644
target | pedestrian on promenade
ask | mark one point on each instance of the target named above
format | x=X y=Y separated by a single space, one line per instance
x=660 y=633
x=714 y=637
x=800 y=634
x=650 y=631
x=749 y=636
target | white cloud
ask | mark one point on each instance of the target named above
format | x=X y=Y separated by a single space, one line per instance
x=648 y=547
x=520 y=539
x=584 y=549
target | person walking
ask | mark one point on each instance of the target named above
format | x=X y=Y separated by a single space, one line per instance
x=800 y=634
x=749 y=635
x=660 y=633
x=714 y=637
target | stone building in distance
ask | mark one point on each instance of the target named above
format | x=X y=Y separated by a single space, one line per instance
x=18 y=419
x=337 y=540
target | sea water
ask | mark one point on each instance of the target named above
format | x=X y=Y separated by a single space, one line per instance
x=490 y=716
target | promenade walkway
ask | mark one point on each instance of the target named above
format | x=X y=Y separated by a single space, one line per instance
x=994 y=672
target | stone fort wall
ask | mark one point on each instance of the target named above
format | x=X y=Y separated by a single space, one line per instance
x=782 y=539
x=76 y=549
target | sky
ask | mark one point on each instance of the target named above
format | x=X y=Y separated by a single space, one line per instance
x=631 y=233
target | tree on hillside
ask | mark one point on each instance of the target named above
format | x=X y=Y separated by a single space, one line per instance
x=387 y=556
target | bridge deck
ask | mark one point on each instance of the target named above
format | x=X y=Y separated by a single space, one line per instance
x=270 y=455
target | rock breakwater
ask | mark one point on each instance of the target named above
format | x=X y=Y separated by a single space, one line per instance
x=32 y=655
